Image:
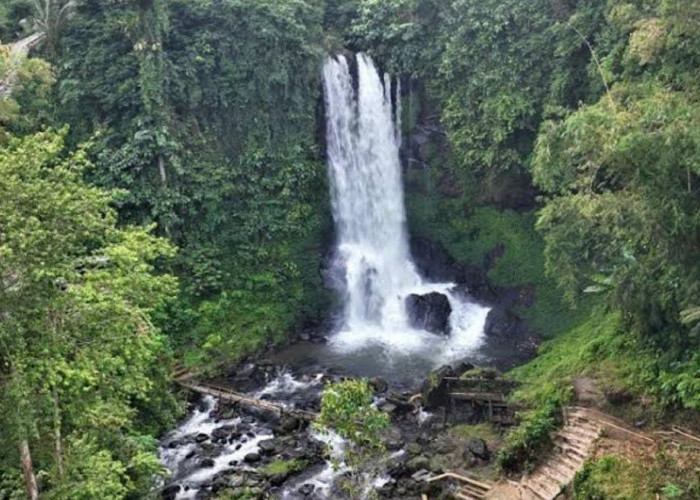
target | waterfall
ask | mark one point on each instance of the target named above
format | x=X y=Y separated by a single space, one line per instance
x=367 y=193
x=363 y=141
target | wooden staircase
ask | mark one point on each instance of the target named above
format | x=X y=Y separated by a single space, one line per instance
x=469 y=489
x=573 y=444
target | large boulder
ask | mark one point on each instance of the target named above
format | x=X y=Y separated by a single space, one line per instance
x=435 y=390
x=502 y=323
x=429 y=312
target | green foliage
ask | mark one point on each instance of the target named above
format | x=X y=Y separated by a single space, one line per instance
x=212 y=132
x=624 y=211
x=470 y=234
x=525 y=443
x=284 y=467
x=11 y=13
x=494 y=66
x=484 y=431
x=617 y=478
x=346 y=407
x=25 y=106
x=91 y=473
x=80 y=358
x=50 y=17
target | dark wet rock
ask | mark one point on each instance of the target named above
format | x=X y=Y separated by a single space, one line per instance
x=437 y=265
x=267 y=446
x=252 y=457
x=414 y=449
x=236 y=481
x=418 y=463
x=463 y=367
x=379 y=385
x=289 y=423
x=435 y=388
x=306 y=489
x=503 y=323
x=200 y=438
x=444 y=447
x=478 y=448
x=247 y=377
x=206 y=463
x=278 y=479
x=170 y=492
x=175 y=443
x=393 y=441
x=219 y=483
x=209 y=450
x=424 y=439
x=190 y=455
x=223 y=433
x=387 y=407
x=396 y=466
x=430 y=312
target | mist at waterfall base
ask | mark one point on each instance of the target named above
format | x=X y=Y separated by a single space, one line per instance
x=372 y=258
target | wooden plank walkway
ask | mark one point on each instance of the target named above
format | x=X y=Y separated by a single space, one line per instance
x=231 y=396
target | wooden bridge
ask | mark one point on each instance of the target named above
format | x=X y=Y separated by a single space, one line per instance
x=186 y=380
x=489 y=394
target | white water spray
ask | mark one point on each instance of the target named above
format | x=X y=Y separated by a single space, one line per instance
x=368 y=207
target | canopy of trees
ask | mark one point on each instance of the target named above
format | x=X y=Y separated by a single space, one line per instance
x=163 y=193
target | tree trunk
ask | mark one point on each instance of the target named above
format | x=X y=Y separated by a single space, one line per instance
x=28 y=471
x=161 y=170
x=58 y=448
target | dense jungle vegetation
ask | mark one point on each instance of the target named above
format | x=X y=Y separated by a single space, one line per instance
x=163 y=198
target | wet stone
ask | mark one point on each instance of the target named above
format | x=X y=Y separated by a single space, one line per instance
x=306 y=489
x=267 y=446
x=478 y=448
x=252 y=457
x=170 y=492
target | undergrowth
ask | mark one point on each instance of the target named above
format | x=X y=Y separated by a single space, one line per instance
x=284 y=467
x=596 y=348
x=661 y=476
x=469 y=234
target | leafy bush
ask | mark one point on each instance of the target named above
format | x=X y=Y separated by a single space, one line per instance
x=525 y=443
x=346 y=407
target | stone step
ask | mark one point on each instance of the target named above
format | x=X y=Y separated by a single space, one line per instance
x=542 y=489
x=574 y=438
x=581 y=430
x=573 y=464
x=553 y=475
x=574 y=453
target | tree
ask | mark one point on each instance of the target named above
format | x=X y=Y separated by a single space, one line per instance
x=80 y=358
x=50 y=18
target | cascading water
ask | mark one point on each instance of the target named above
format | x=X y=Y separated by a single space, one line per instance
x=363 y=156
x=363 y=138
